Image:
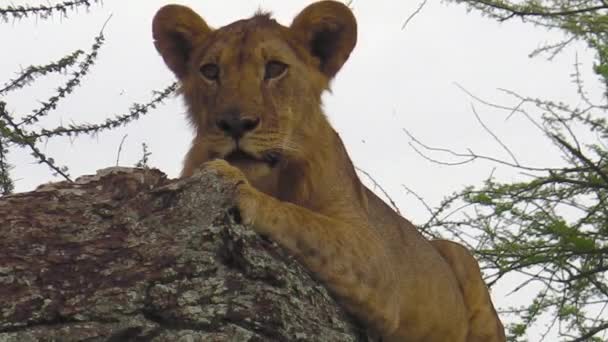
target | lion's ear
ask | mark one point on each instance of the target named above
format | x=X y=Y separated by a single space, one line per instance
x=329 y=30
x=175 y=29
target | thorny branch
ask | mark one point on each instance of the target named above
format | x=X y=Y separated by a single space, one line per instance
x=524 y=10
x=135 y=112
x=30 y=73
x=43 y=11
x=20 y=138
x=70 y=85
x=6 y=183
x=14 y=129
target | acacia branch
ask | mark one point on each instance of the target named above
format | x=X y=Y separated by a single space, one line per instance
x=6 y=184
x=71 y=83
x=583 y=158
x=43 y=11
x=521 y=11
x=31 y=72
x=591 y=332
x=21 y=138
x=136 y=111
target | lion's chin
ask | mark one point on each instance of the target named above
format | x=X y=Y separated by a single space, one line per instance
x=240 y=157
x=257 y=170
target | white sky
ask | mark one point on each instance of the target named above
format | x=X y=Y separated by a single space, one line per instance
x=395 y=79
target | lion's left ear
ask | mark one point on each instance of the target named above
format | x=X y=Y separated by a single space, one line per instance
x=329 y=30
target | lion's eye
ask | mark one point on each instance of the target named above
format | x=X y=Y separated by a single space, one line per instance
x=210 y=71
x=274 y=69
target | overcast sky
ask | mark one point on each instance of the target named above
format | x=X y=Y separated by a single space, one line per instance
x=396 y=78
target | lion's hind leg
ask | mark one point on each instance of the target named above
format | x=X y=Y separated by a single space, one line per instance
x=484 y=323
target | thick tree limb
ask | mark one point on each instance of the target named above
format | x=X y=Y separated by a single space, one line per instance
x=128 y=255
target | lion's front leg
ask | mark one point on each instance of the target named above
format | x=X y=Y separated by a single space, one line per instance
x=349 y=259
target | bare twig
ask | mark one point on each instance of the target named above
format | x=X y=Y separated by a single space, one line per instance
x=377 y=185
x=122 y=141
x=496 y=138
x=470 y=156
x=416 y=11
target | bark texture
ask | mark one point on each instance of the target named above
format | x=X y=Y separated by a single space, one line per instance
x=128 y=255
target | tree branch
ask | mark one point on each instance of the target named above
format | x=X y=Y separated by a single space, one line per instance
x=43 y=11
x=520 y=11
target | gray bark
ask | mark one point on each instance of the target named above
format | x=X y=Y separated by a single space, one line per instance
x=128 y=255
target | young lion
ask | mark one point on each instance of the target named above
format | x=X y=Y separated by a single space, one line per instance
x=253 y=91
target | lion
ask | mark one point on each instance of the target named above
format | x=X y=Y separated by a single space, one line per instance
x=253 y=94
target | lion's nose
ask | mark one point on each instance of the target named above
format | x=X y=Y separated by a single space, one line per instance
x=234 y=125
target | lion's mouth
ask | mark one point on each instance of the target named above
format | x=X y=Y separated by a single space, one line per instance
x=238 y=156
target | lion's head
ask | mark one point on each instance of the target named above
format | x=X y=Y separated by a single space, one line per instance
x=253 y=88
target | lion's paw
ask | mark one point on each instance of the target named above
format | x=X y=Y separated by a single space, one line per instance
x=245 y=198
x=225 y=171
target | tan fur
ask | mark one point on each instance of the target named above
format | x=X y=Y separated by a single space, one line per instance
x=296 y=183
x=484 y=324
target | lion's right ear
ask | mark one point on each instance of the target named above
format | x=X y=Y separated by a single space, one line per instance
x=175 y=30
